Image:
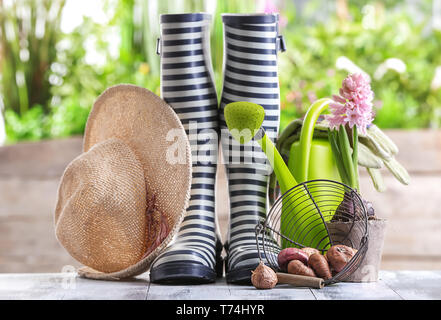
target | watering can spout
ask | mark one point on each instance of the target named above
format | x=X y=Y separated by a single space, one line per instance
x=284 y=176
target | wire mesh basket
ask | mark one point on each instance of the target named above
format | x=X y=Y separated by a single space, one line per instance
x=317 y=214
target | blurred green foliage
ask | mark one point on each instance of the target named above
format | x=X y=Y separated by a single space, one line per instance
x=56 y=83
x=367 y=36
x=28 y=36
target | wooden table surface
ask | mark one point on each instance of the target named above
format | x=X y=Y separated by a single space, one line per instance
x=391 y=286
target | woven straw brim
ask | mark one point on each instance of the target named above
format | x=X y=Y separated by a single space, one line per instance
x=100 y=216
x=155 y=134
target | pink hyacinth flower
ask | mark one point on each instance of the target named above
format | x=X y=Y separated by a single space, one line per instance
x=354 y=104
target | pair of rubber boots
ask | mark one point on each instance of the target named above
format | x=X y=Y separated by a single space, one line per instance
x=251 y=44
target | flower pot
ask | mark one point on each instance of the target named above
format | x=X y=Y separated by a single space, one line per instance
x=368 y=269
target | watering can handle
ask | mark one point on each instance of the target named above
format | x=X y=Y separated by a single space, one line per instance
x=306 y=134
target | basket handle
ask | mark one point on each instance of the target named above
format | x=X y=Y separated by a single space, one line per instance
x=301 y=159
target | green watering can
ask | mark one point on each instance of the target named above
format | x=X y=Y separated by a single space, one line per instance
x=321 y=163
x=310 y=159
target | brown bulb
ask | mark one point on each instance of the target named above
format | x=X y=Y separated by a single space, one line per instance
x=263 y=277
x=339 y=255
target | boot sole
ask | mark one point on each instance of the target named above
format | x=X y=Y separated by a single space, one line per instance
x=240 y=276
x=184 y=272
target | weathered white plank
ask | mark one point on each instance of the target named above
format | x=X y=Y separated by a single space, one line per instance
x=31 y=286
x=214 y=291
x=280 y=292
x=414 y=285
x=392 y=285
x=67 y=286
x=356 y=291
x=220 y=290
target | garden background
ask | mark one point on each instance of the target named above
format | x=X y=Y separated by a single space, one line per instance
x=57 y=56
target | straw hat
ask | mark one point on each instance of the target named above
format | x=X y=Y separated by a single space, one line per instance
x=121 y=202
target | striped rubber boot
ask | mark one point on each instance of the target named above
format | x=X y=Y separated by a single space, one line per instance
x=251 y=43
x=187 y=86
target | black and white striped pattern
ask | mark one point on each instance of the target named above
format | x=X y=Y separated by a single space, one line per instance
x=250 y=74
x=187 y=86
